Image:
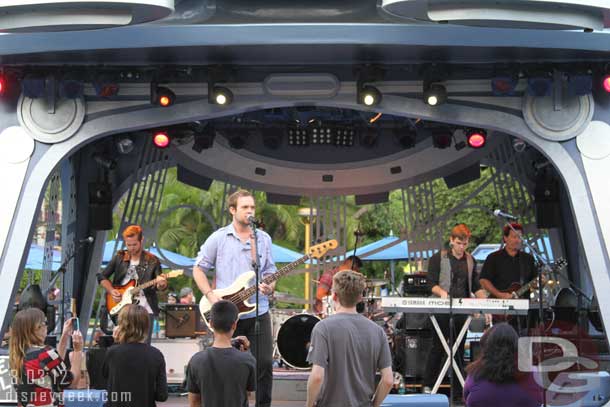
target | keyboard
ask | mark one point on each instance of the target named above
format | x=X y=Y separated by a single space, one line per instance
x=434 y=305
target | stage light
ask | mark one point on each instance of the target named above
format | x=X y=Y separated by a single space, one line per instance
x=606 y=83
x=104 y=161
x=161 y=96
x=539 y=86
x=71 y=86
x=504 y=85
x=237 y=139
x=406 y=137
x=220 y=95
x=368 y=95
x=344 y=137
x=435 y=94
x=125 y=145
x=2 y=84
x=441 y=138
x=580 y=85
x=369 y=137
x=297 y=136
x=272 y=138
x=33 y=86
x=476 y=138
x=321 y=135
x=204 y=137
x=161 y=139
x=105 y=86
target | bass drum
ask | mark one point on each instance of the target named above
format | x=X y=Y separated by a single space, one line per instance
x=293 y=340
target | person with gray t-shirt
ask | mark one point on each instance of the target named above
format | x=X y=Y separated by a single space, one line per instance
x=346 y=352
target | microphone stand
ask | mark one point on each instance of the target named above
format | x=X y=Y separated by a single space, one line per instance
x=256 y=267
x=62 y=271
x=451 y=336
x=545 y=267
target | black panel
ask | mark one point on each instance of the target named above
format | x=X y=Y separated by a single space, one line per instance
x=193 y=179
x=463 y=176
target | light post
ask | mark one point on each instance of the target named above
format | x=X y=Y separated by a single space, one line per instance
x=307 y=215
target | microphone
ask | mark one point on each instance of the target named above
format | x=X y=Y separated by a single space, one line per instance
x=504 y=215
x=253 y=221
x=88 y=239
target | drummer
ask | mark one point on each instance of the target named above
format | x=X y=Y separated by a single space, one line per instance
x=326 y=281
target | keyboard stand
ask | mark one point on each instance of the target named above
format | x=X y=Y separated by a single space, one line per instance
x=450 y=354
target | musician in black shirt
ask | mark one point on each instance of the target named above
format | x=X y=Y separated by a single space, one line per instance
x=453 y=270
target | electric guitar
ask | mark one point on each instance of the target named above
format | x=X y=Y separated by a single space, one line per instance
x=517 y=290
x=129 y=292
x=240 y=291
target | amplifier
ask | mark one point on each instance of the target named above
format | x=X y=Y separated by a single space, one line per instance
x=180 y=320
x=415 y=285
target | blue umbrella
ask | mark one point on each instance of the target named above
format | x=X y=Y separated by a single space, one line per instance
x=399 y=251
x=36 y=257
x=282 y=255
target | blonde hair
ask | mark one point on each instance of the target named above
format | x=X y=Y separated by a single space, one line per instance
x=23 y=337
x=133 y=324
x=348 y=285
x=240 y=193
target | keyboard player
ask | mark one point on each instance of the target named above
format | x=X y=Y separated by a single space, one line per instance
x=453 y=268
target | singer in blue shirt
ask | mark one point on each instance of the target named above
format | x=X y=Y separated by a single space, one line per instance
x=229 y=251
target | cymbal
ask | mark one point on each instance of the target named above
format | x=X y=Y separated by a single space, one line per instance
x=376 y=282
x=285 y=297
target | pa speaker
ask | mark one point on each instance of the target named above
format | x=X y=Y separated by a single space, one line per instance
x=180 y=320
x=546 y=199
x=412 y=350
x=100 y=206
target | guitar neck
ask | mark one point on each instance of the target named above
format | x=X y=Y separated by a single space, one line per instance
x=144 y=286
x=277 y=275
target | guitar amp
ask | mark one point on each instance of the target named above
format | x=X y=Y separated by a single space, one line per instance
x=180 y=320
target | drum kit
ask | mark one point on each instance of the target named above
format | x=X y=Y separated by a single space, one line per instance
x=292 y=329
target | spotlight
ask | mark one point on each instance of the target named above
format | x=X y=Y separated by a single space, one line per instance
x=220 y=95
x=406 y=137
x=33 y=86
x=476 y=138
x=435 y=94
x=344 y=137
x=204 y=137
x=162 y=96
x=504 y=85
x=606 y=83
x=161 y=139
x=369 y=137
x=539 y=86
x=103 y=160
x=297 y=136
x=125 y=145
x=71 y=86
x=2 y=84
x=272 y=138
x=519 y=145
x=105 y=86
x=580 y=85
x=368 y=95
x=441 y=138
x=320 y=134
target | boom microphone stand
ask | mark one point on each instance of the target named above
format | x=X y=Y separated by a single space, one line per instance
x=256 y=267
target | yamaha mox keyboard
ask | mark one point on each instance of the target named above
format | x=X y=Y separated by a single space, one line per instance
x=435 y=305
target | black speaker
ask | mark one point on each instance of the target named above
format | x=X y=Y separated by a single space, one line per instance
x=412 y=351
x=180 y=320
x=100 y=206
x=546 y=200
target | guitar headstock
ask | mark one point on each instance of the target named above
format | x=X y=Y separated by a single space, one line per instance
x=320 y=250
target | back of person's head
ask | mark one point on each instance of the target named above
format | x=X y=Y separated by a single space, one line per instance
x=133 y=231
x=224 y=315
x=348 y=285
x=354 y=262
x=23 y=336
x=497 y=362
x=133 y=325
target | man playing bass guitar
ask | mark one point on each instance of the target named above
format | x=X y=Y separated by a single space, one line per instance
x=134 y=264
x=229 y=250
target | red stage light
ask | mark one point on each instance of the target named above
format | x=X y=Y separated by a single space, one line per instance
x=2 y=84
x=165 y=101
x=476 y=138
x=606 y=83
x=161 y=139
